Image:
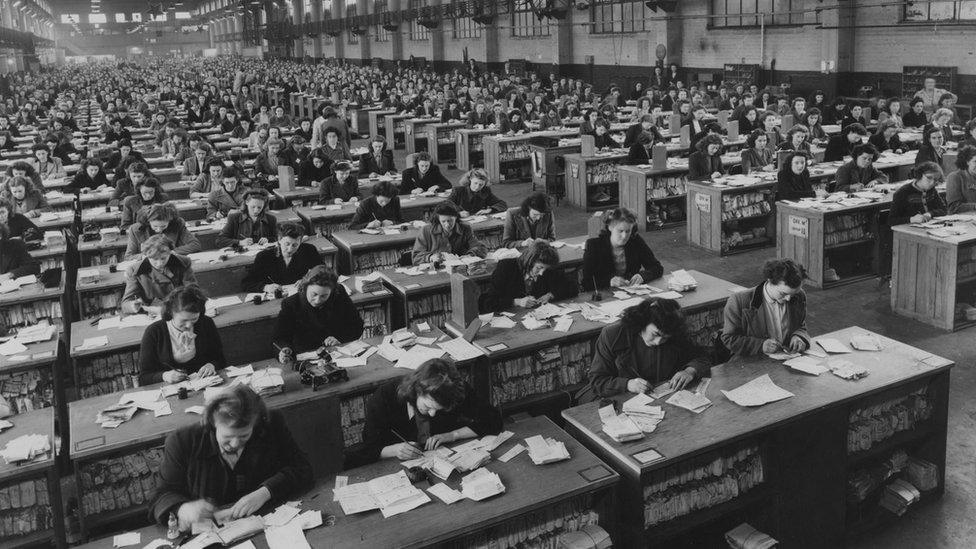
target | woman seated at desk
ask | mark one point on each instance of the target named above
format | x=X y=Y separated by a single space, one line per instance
x=602 y=138
x=147 y=193
x=333 y=147
x=649 y=346
x=933 y=146
x=148 y=282
x=446 y=233
x=770 y=318
x=283 y=264
x=340 y=187
x=969 y=135
x=860 y=172
x=6 y=143
x=423 y=176
x=90 y=176
x=942 y=120
x=533 y=220
x=24 y=198
x=916 y=117
x=15 y=261
x=854 y=117
x=749 y=120
x=706 y=163
x=531 y=279
x=961 y=184
x=241 y=456
x=165 y=220
x=431 y=407
x=196 y=164
x=793 y=178
x=250 y=225
x=379 y=159
x=769 y=122
x=886 y=138
x=184 y=341
x=382 y=209
x=796 y=140
x=46 y=166
x=209 y=180
x=814 y=119
x=641 y=151
x=228 y=196
x=918 y=201
x=473 y=195
x=619 y=256
x=757 y=157
x=22 y=169
x=319 y=314
x=315 y=169
x=136 y=173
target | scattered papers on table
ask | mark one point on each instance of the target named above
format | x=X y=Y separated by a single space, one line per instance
x=547 y=311
x=543 y=451
x=115 y=415
x=281 y=516
x=289 y=536
x=12 y=347
x=640 y=411
x=614 y=309
x=354 y=348
x=563 y=324
x=620 y=428
x=502 y=322
x=661 y=390
x=689 y=401
x=460 y=349
x=806 y=365
x=42 y=331
x=414 y=357
x=481 y=485
x=392 y=494
x=445 y=493
x=268 y=381
x=531 y=323
x=512 y=452
x=866 y=343
x=845 y=369
x=26 y=448
x=757 y=392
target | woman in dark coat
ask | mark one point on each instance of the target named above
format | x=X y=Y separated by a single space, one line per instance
x=473 y=195
x=793 y=179
x=619 y=256
x=706 y=162
x=319 y=314
x=379 y=210
x=284 y=264
x=379 y=159
x=531 y=279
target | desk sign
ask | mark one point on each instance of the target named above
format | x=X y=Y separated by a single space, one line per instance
x=648 y=456
x=704 y=202
x=799 y=226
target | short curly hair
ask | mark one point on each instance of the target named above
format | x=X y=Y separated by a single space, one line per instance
x=784 y=270
x=965 y=155
x=665 y=314
x=437 y=378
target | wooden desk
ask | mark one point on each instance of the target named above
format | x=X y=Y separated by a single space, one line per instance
x=548 y=168
x=556 y=498
x=803 y=443
x=442 y=142
x=587 y=175
x=415 y=133
x=361 y=253
x=470 y=150
x=377 y=122
x=30 y=384
x=520 y=380
x=717 y=212
x=325 y=221
x=427 y=298
x=32 y=514
x=930 y=276
x=508 y=157
x=214 y=278
x=395 y=127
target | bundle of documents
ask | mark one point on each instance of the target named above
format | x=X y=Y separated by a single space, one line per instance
x=898 y=496
x=467 y=460
x=268 y=381
x=640 y=411
x=846 y=369
x=116 y=415
x=546 y=450
x=460 y=349
x=757 y=392
x=403 y=338
x=682 y=281
x=504 y=253
x=866 y=343
x=369 y=283
x=151 y=400
x=689 y=401
x=14 y=284
x=195 y=383
x=481 y=485
x=53 y=239
x=354 y=348
x=745 y=536
x=26 y=448
x=547 y=311
x=619 y=427
x=391 y=494
x=923 y=474
x=807 y=365
x=42 y=331
x=434 y=461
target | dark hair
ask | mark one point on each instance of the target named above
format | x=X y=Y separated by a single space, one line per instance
x=710 y=139
x=20 y=181
x=665 y=314
x=787 y=166
x=259 y=193
x=928 y=133
x=137 y=167
x=855 y=128
x=923 y=168
x=865 y=148
x=331 y=130
x=915 y=101
x=291 y=230
x=970 y=126
x=784 y=270
x=214 y=162
x=230 y=171
x=799 y=128
x=378 y=139
x=539 y=251
x=385 y=188
x=40 y=147
x=445 y=208
x=161 y=212
x=320 y=275
x=619 y=215
x=187 y=299
x=813 y=111
x=421 y=157
x=436 y=378
x=124 y=142
x=238 y=406
x=965 y=155
x=753 y=136
x=536 y=201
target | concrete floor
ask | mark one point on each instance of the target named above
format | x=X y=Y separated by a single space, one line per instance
x=947 y=523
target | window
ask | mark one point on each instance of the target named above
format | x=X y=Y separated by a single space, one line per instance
x=525 y=22
x=97 y=18
x=137 y=17
x=958 y=10
x=120 y=18
x=382 y=35
x=69 y=18
x=743 y=13
x=161 y=18
x=417 y=31
x=182 y=15
x=351 y=12
x=613 y=16
x=464 y=27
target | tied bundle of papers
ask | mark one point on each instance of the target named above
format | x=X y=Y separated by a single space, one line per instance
x=682 y=281
x=268 y=381
x=391 y=494
x=26 y=448
x=898 y=496
x=481 y=485
x=640 y=411
x=369 y=283
x=757 y=392
x=744 y=536
x=546 y=450
x=846 y=369
x=690 y=401
x=619 y=427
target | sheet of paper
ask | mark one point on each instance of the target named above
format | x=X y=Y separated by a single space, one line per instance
x=127 y=539
x=460 y=349
x=445 y=493
x=531 y=323
x=502 y=322
x=135 y=321
x=310 y=519
x=647 y=456
x=12 y=347
x=661 y=390
x=93 y=342
x=196 y=410
x=514 y=451
x=418 y=354
x=350 y=362
x=235 y=371
x=807 y=365
x=757 y=392
x=110 y=323
x=281 y=516
x=563 y=324
x=689 y=401
x=832 y=345
x=289 y=536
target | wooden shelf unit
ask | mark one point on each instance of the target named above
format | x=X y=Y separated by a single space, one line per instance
x=712 y=221
x=584 y=175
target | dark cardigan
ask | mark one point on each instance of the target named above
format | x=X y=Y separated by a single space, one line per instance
x=615 y=363
x=909 y=201
x=472 y=202
x=508 y=283
x=598 y=261
x=368 y=163
x=302 y=327
x=156 y=351
x=15 y=259
x=369 y=210
x=386 y=413
x=192 y=468
x=701 y=166
x=790 y=186
x=413 y=180
x=269 y=267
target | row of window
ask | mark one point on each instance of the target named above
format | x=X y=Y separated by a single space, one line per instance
x=102 y=18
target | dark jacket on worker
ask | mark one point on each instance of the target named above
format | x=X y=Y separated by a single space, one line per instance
x=412 y=179
x=472 y=202
x=269 y=267
x=303 y=327
x=599 y=266
x=909 y=201
x=369 y=210
x=508 y=283
x=15 y=259
x=746 y=324
x=156 y=351
x=240 y=226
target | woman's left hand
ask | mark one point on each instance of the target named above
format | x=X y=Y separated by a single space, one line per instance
x=249 y=504
x=681 y=379
x=636 y=279
x=435 y=441
x=208 y=369
x=330 y=341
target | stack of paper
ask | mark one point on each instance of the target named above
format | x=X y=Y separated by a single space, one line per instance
x=151 y=400
x=460 y=349
x=543 y=451
x=11 y=348
x=640 y=411
x=268 y=381
x=392 y=494
x=846 y=369
x=354 y=348
x=621 y=428
x=689 y=401
x=866 y=343
x=745 y=536
x=923 y=474
x=806 y=365
x=898 y=496
x=504 y=253
x=445 y=493
x=417 y=355
x=757 y=392
x=481 y=484
x=26 y=448
x=369 y=283
x=218 y=302
x=91 y=343
x=531 y=323
x=591 y=536
x=547 y=311
x=832 y=345
x=116 y=415
x=42 y=331
x=682 y=281
x=468 y=460
x=614 y=309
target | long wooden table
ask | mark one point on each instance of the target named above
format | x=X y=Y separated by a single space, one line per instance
x=806 y=445
x=326 y=220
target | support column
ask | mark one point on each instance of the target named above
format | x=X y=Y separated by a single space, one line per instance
x=491 y=35
x=396 y=40
x=837 y=46
x=338 y=12
x=562 y=40
x=317 y=39
x=299 y=43
x=436 y=56
x=238 y=24
x=363 y=8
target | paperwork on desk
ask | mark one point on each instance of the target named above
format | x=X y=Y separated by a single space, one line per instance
x=391 y=494
x=690 y=401
x=127 y=539
x=11 y=348
x=14 y=284
x=546 y=450
x=807 y=365
x=832 y=345
x=744 y=536
x=42 y=331
x=26 y=448
x=757 y=392
x=481 y=485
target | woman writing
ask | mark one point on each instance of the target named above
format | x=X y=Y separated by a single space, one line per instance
x=251 y=225
x=161 y=219
x=382 y=209
x=531 y=221
x=379 y=159
x=148 y=282
x=531 y=279
x=706 y=162
x=185 y=341
x=473 y=195
x=793 y=179
x=147 y=193
x=757 y=156
x=283 y=264
x=446 y=234
x=961 y=184
x=618 y=256
x=649 y=346
x=319 y=314
x=918 y=201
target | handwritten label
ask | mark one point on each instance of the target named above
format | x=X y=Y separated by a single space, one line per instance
x=704 y=202
x=799 y=226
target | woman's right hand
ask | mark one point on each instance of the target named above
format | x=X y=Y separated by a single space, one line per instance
x=285 y=355
x=638 y=385
x=173 y=376
x=194 y=511
x=373 y=224
x=769 y=347
x=917 y=218
x=408 y=450
x=618 y=282
x=526 y=302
